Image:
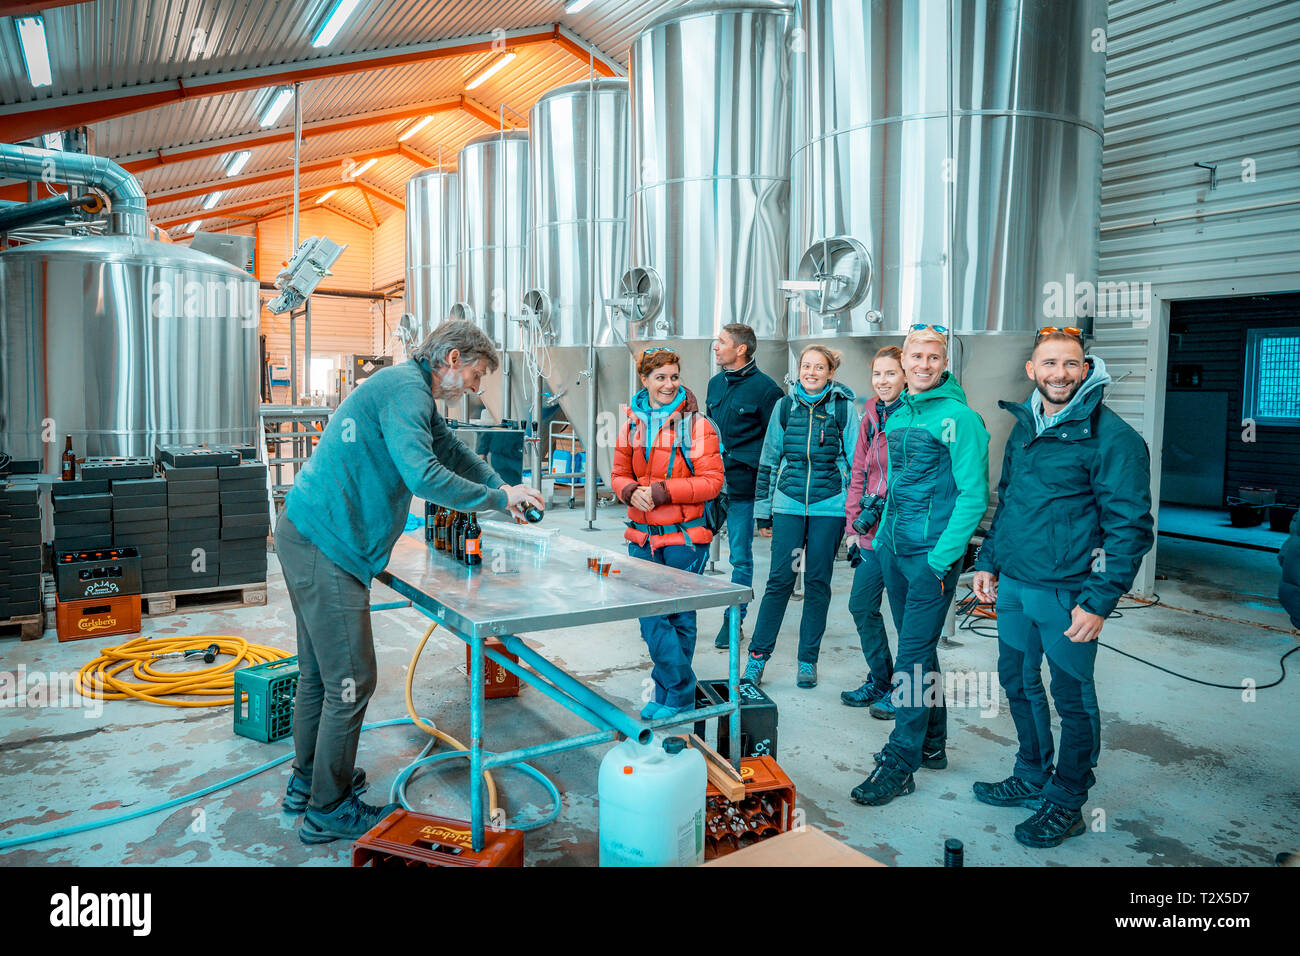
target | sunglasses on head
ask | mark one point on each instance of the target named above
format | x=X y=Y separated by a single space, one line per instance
x=657 y=348
x=1068 y=330
x=921 y=327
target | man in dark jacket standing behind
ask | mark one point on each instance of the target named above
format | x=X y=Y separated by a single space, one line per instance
x=1072 y=524
x=346 y=509
x=740 y=402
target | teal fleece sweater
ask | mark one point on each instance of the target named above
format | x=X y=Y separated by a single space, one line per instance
x=385 y=443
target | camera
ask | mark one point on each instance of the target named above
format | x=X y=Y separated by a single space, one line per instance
x=871 y=508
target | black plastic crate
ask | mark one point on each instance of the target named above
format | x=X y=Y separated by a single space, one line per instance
x=116 y=469
x=758 y=718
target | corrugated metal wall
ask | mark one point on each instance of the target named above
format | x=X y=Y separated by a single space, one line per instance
x=390 y=251
x=1195 y=81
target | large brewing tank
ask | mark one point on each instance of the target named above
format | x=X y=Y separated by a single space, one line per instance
x=432 y=243
x=124 y=342
x=946 y=171
x=577 y=249
x=710 y=103
x=491 y=263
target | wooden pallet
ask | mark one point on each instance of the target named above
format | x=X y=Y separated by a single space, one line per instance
x=28 y=626
x=204 y=599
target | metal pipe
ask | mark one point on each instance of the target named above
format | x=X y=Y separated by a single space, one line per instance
x=127 y=215
x=589 y=472
x=17 y=215
x=477 y=697
x=524 y=754
x=733 y=680
x=628 y=726
x=549 y=690
x=306 y=344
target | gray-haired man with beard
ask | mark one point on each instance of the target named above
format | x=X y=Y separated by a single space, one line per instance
x=346 y=510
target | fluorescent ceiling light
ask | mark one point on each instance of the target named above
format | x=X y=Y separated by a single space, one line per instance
x=576 y=6
x=502 y=61
x=364 y=166
x=193 y=227
x=415 y=129
x=326 y=196
x=238 y=162
x=31 y=34
x=277 y=105
x=212 y=199
x=334 y=22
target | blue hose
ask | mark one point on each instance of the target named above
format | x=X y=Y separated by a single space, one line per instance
x=176 y=802
x=398 y=792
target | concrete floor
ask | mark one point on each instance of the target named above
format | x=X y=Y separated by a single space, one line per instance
x=1189 y=775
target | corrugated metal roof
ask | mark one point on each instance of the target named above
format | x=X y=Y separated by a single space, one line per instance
x=118 y=44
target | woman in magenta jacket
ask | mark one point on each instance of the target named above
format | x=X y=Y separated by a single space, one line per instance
x=866 y=500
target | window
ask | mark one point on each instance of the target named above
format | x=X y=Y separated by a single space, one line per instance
x=1272 y=395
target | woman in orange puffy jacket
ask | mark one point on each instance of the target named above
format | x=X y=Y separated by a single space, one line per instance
x=667 y=468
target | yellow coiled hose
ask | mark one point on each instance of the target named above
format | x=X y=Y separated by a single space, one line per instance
x=103 y=677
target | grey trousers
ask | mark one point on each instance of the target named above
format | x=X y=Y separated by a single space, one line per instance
x=336 y=665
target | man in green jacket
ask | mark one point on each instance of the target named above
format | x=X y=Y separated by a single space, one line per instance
x=1072 y=524
x=938 y=492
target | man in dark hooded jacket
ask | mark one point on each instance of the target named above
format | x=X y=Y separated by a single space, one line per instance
x=1072 y=525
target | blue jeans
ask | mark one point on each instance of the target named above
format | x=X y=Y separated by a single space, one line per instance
x=1032 y=622
x=919 y=602
x=671 y=637
x=740 y=544
x=864 y=605
x=816 y=539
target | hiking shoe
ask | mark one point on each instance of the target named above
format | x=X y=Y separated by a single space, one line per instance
x=934 y=759
x=883 y=709
x=1051 y=825
x=754 y=670
x=1011 y=792
x=886 y=782
x=299 y=791
x=348 y=821
x=864 y=696
x=722 y=640
x=807 y=675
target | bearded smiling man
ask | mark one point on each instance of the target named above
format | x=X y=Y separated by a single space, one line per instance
x=1072 y=524
x=346 y=509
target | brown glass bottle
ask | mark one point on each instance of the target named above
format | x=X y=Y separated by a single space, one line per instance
x=473 y=541
x=69 y=462
x=458 y=537
x=438 y=537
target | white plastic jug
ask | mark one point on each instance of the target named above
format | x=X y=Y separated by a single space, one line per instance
x=652 y=804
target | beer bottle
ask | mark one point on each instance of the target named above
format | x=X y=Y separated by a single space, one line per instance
x=430 y=521
x=439 y=537
x=458 y=537
x=473 y=541
x=69 y=469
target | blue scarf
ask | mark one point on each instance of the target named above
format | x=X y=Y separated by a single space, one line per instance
x=814 y=397
x=655 y=417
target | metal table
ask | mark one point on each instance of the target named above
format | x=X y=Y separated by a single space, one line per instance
x=542 y=583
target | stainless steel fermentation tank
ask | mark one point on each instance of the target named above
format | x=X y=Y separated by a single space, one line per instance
x=124 y=342
x=577 y=252
x=432 y=245
x=946 y=170
x=493 y=171
x=711 y=116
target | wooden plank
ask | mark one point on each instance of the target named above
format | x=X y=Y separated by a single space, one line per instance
x=28 y=627
x=722 y=774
